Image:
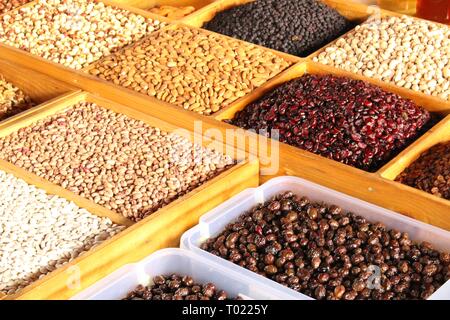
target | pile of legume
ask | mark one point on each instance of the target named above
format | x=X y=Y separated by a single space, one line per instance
x=327 y=253
x=192 y=69
x=40 y=232
x=118 y=162
x=346 y=120
x=295 y=27
x=74 y=33
x=410 y=53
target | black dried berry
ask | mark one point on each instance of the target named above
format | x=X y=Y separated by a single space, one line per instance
x=175 y=287
x=296 y=27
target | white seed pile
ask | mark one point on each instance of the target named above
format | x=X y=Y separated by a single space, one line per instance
x=410 y=53
x=116 y=161
x=74 y=33
x=40 y=232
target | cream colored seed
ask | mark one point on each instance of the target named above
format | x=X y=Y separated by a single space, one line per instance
x=40 y=232
x=6 y=5
x=190 y=67
x=111 y=159
x=74 y=33
x=414 y=54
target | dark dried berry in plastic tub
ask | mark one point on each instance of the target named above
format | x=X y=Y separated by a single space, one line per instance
x=295 y=27
x=431 y=172
x=356 y=260
x=176 y=287
x=346 y=120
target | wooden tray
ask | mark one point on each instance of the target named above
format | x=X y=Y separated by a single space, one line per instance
x=374 y=187
x=377 y=188
x=443 y=104
x=82 y=80
x=123 y=4
x=159 y=230
x=352 y=11
x=148 y=4
x=439 y=134
x=39 y=87
x=289 y=58
x=367 y=186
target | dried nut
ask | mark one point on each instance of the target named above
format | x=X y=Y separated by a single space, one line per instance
x=118 y=162
x=74 y=33
x=191 y=68
x=7 y=5
x=40 y=232
x=405 y=51
x=12 y=100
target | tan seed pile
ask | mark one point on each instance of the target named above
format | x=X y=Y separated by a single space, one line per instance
x=12 y=99
x=118 y=162
x=191 y=68
x=39 y=233
x=410 y=53
x=74 y=33
x=7 y=5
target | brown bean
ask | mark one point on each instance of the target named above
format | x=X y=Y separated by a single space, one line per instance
x=114 y=168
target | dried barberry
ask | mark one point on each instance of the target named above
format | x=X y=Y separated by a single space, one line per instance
x=431 y=172
x=346 y=120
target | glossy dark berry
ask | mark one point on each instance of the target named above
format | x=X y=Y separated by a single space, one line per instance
x=356 y=259
x=296 y=27
x=431 y=172
x=175 y=287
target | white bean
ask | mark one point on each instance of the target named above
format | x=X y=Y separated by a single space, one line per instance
x=412 y=49
x=41 y=231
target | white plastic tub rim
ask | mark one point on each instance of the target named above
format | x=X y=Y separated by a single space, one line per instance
x=118 y=284
x=213 y=222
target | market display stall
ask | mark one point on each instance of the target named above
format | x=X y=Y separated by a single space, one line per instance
x=101 y=106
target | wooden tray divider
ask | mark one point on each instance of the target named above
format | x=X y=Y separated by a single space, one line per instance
x=148 y=4
x=189 y=206
x=438 y=134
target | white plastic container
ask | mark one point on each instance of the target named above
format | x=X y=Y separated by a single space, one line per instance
x=169 y=261
x=212 y=223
